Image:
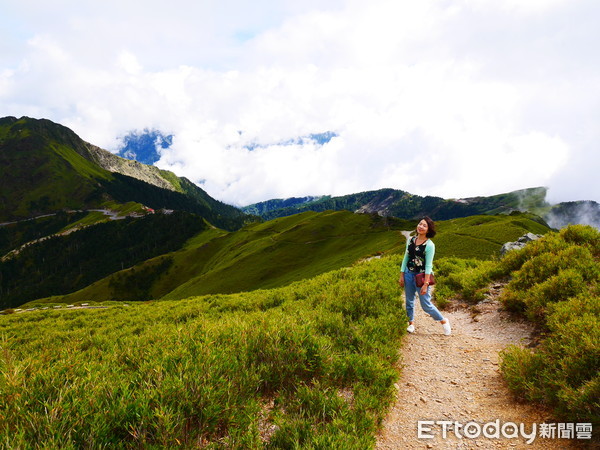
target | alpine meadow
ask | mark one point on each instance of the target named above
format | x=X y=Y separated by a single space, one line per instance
x=139 y=312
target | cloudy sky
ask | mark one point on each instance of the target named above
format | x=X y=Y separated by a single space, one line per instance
x=448 y=98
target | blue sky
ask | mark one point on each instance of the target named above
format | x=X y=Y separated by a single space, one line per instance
x=449 y=98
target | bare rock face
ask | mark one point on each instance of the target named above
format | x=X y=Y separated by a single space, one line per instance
x=134 y=169
x=519 y=243
x=377 y=205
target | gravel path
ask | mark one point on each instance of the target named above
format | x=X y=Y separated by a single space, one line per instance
x=457 y=379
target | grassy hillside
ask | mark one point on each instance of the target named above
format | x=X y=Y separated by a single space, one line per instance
x=284 y=250
x=259 y=256
x=310 y=365
x=482 y=236
x=39 y=175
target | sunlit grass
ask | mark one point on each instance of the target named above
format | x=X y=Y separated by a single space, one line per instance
x=308 y=365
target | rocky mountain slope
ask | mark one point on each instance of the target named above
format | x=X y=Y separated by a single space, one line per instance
x=131 y=168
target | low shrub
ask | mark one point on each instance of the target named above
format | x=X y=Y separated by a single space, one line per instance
x=466 y=279
x=563 y=371
x=555 y=284
x=559 y=273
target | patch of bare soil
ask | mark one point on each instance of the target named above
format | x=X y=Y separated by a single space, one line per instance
x=456 y=380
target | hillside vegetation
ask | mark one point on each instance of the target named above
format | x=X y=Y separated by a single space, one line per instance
x=553 y=282
x=556 y=285
x=310 y=365
x=64 y=264
x=258 y=256
x=40 y=174
x=15 y=235
x=278 y=252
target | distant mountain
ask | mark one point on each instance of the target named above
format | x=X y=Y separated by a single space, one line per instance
x=45 y=168
x=403 y=205
x=264 y=208
x=144 y=146
x=571 y=213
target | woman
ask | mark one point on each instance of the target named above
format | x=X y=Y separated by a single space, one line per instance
x=419 y=258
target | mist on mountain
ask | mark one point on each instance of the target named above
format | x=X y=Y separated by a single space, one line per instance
x=573 y=213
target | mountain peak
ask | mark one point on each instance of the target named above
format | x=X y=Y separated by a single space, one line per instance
x=45 y=167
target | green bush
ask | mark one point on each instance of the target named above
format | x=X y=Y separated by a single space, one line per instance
x=521 y=368
x=561 y=272
x=466 y=279
x=555 y=284
x=563 y=371
x=565 y=284
x=582 y=235
x=513 y=260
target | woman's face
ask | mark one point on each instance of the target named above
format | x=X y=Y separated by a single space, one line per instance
x=422 y=227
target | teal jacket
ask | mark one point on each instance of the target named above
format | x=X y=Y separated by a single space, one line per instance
x=429 y=254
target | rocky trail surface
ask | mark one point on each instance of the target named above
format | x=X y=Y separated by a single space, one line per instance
x=455 y=381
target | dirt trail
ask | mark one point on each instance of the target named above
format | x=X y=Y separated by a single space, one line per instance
x=457 y=378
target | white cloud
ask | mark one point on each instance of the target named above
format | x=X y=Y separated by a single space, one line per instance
x=443 y=98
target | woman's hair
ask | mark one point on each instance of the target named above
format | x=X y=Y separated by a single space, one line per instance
x=430 y=227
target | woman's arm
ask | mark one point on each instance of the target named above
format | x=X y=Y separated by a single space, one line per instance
x=429 y=254
x=405 y=259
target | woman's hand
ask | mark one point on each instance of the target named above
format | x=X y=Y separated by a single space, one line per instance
x=401 y=280
x=424 y=289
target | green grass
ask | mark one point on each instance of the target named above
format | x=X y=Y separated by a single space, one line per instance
x=172 y=178
x=310 y=365
x=276 y=254
x=69 y=178
x=92 y=218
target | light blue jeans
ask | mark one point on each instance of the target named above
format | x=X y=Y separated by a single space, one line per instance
x=410 y=289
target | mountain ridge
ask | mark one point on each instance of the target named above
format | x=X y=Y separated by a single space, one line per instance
x=404 y=205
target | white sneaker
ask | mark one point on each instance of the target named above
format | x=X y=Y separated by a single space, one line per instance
x=411 y=328
x=447 y=328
